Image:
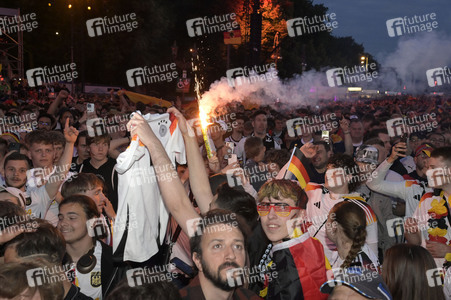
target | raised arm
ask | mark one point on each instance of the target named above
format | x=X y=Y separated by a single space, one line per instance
x=123 y=102
x=200 y=185
x=344 y=124
x=171 y=187
x=378 y=182
x=116 y=143
x=53 y=108
x=63 y=166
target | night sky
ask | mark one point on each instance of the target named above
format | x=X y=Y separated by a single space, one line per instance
x=365 y=20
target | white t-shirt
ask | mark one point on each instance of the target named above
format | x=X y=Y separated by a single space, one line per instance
x=318 y=207
x=91 y=284
x=35 y=189
x=229 y=139
x=138 y=190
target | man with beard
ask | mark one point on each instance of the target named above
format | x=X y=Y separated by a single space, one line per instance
x=218 y=247
x=317 y=167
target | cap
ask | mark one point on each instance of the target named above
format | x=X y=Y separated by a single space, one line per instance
x=366 y=282
x=367 y=154
x=426 y=148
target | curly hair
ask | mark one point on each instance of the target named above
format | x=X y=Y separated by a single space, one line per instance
x=353 y=221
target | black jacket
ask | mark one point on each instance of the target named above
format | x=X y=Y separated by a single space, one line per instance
x=112 y=273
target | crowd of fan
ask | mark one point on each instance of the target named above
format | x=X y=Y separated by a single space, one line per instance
x=381 y=235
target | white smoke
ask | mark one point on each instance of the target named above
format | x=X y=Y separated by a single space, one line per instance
x=406 y=66
x=415 y=54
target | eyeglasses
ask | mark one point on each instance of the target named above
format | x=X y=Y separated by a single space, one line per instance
x=44 y=123
x=281 y=209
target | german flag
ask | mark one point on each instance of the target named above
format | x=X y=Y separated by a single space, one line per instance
x=297 y=168
x=135 y=98
x=232 y=37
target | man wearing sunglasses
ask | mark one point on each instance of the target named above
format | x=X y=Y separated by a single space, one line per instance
x=293 y=253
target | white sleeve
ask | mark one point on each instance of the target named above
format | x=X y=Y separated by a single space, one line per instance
x=378 y=183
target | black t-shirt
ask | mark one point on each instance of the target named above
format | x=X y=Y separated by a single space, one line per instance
x=315 y=176
x=107 y=173
x=74 y=166
x=268 y=142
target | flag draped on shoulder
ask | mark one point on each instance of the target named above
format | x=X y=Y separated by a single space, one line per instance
x=304 y=265
x=297 y=168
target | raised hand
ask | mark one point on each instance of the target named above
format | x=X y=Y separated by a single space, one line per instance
x=309 y=150
x=139 y=126
x=70 y=133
